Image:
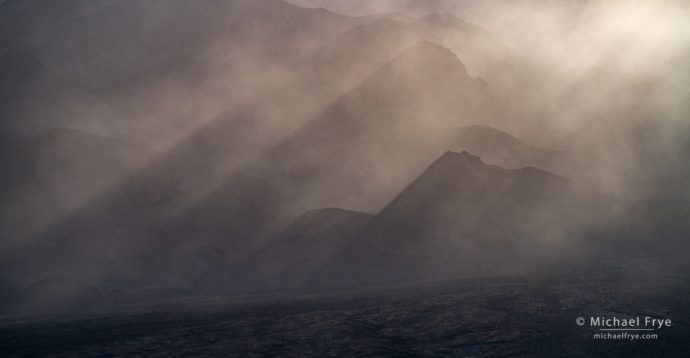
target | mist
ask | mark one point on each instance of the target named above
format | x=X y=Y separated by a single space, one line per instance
x=169 y=148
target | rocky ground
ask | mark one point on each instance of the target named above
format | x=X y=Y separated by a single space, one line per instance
x=465 y=318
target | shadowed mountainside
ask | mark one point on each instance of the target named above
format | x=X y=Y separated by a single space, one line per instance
x=499 y=148
x=168 y=148
x=351 y=155
x=460 y=217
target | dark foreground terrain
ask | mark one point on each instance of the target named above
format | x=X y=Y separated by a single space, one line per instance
x=467 y=318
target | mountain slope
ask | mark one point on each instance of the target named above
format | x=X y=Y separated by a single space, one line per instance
x=321 y=78
x=190 y=242
x=298 y=252
x=73 y=200
x=143 y=56
x=358 y=52
x=57 y=172
x=461 y=216
x=499 y=148
x=365 y=146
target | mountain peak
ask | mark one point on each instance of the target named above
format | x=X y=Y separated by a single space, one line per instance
x=457 y=213
x=455 y=172
x=431 y=48
x=449 y=21
x=442 y=17
x=497 y=147
x=451 y=161
x=463 y=156
x=426 y=56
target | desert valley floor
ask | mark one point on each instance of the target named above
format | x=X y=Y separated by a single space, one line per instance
x=497 y=317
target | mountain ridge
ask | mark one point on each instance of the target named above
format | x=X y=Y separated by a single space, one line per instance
x=454 y=218
x=424 y=84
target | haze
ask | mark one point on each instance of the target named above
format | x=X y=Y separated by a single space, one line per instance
x=174 y=148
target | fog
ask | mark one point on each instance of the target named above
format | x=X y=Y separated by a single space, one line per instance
x=178 y=146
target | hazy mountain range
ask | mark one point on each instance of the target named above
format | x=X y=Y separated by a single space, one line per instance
x=169 y=148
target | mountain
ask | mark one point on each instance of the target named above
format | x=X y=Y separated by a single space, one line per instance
x=201 y=233
x=460 y=217
x=357 y=53
x=127 y=39
x=362 y=149
x=298 y=252
x=190 y=242
x=362 y=7
x=436 y=21
x=293 y=98
x=365 y=47
x=502 y=149
x=140 y=57
x=73 y=200
x=53 y=174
